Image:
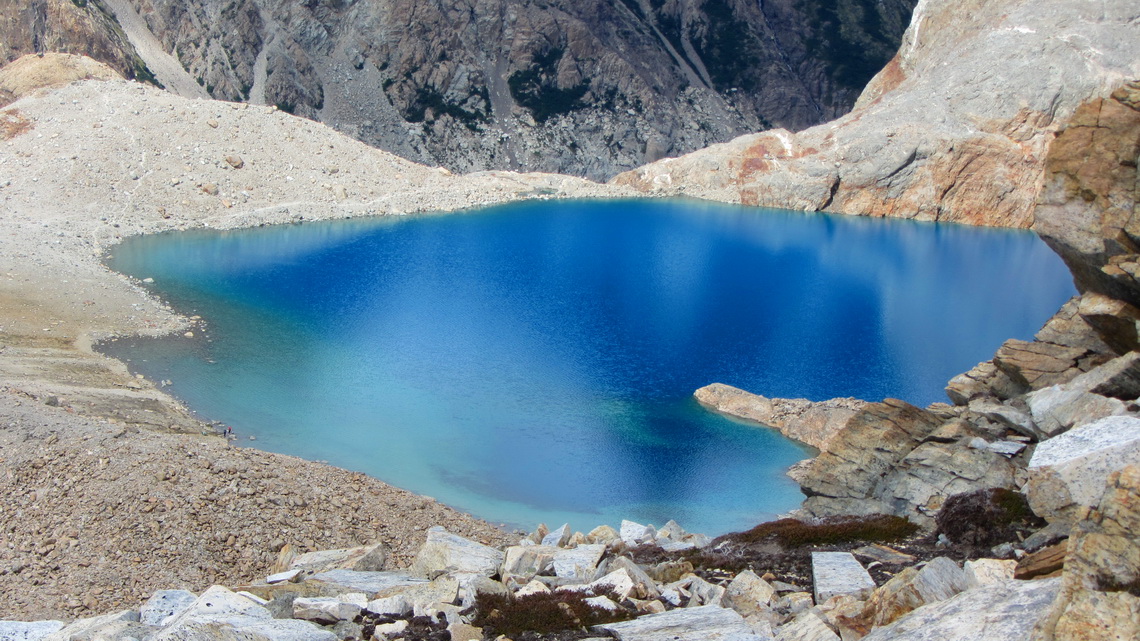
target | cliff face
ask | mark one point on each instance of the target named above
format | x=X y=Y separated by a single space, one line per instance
x=588 y=88
x=955 y=128
x=67 y=26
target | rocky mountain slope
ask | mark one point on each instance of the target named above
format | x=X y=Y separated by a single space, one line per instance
x=955 y=128
x=586 y=88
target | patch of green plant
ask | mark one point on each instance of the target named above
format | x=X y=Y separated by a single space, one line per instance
x=82 y=4
x=985 y=517
x=544 y=612
x=878 y=528
x=851 y=38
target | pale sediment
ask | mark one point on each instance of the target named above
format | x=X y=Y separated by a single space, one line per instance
x=89 y=501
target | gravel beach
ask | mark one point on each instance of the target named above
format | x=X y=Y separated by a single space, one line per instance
x=111 y=489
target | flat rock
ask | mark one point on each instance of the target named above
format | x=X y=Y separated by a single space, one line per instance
x=447 y=552
x=836 y=573
x=1069 y=472
x=325 y=610
x=165 y=604
x=368 y=582
x=28 y=630
x=1007 y=611
x=705 y=623
x=365 y=558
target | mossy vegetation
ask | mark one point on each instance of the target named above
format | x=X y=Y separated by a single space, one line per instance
x=790 y=533
x=729 y=47
x=543 y=612
x=986 y=517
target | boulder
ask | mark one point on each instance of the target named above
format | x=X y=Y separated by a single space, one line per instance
x=705 y=623
x=813 y=423
x=635 y=534
x=836 y=573
x=1068 y=473
x=1059 y=408
x=557 y=538
x=1118 y=378
x=1007 y=611
x=365 y=558
x=222 y=615
x=908 y=590
x=1117 y=322
x=603 y=534
x=370 y=583
x=982 y=572
x=1099 y=597
x=447 y=552
x=471 y=586
x=644 y=586
x=28 y=630
x=165 y=604
x=1034 y=365
x=521 y=563
x=925 y=478
x=396 y=605
x=578 y=563
x=701 y=592
x=874 y=441
x=808 y=626
x=326 y=610
x=984 y=380
x=748 y=593
x=115 y=625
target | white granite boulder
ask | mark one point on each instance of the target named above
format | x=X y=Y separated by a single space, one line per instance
x=557 y=538
x=521 y=563
x=1059 y=408
x=808 y=626
x=447 y=552
x=165 y=604
x=635 y=534
x=706 y=623
x=370 y=583
x=580 y=562
x=747 y=593
x=221 y=615
x=1068 y=473
x=27 y=630
x=328 y=610
x=1006 y=611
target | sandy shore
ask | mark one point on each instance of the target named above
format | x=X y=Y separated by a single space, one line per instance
x=110 y=488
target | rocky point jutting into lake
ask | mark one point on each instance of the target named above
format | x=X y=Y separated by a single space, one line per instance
x=1023 y=488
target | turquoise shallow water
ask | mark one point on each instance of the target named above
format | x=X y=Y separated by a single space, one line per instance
x=535 y=362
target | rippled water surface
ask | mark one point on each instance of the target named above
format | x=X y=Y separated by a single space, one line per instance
x=535 y=362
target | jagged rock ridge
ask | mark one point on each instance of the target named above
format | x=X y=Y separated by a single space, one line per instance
x=955 y=128
x=587 y=88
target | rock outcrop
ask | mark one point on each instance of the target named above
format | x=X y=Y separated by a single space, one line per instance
x=955 y=128
x=797 y=418
x=580 y=88
x=1100 y=587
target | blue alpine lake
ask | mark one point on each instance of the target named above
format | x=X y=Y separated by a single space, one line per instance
x=536 y=361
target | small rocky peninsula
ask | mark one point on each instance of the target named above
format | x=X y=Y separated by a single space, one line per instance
x=1009 y=512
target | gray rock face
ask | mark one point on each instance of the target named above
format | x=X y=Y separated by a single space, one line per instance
x=588 y=89
x=955 y=128
x=704 y=623
x=836 y=573
x=1012 y=609
x=220 y=614
x=1069 y=472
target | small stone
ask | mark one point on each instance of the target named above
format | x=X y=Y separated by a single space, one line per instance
x=235 y=161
